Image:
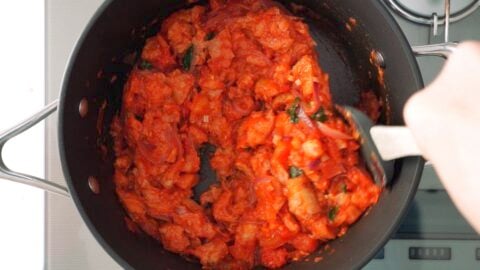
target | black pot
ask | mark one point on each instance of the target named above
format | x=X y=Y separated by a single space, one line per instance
x=99 y=67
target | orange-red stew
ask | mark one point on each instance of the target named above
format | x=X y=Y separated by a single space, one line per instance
x=241 y=75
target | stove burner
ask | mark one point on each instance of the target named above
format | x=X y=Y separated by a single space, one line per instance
x=432 y=12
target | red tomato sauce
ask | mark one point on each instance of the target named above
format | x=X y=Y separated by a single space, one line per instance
x=241 y=75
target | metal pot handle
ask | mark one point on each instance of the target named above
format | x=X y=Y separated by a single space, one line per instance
x=441 y=50
x=33 y=181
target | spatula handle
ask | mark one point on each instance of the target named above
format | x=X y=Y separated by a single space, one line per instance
x=394 y=142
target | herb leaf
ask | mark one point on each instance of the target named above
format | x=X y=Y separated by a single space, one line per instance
x=320 y=115
x=294 y=172
x=210 y=36
x=145 y=65
x=187 y=58
x=344 y=188
x=292 y=111
x=332 y=213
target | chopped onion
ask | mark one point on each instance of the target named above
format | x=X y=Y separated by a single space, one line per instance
x=206 y=118
x=316 y=98
x=259 y=180
x=323 y=128
x=302 y=115
x=332 y=133
x=181 y=210
x=163 y=218
x=313 y=165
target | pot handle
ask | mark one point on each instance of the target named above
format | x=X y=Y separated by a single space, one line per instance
x=33 y=181
x=441 y=50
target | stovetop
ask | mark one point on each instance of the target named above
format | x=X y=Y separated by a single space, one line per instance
x=433 y=235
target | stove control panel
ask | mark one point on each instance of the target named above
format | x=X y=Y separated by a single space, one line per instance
x=427 y=255
x=430 y=253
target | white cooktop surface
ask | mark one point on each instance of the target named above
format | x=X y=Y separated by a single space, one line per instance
x=69 y=244
x=22 y=94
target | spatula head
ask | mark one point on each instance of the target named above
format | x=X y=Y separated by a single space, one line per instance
x=381 y=170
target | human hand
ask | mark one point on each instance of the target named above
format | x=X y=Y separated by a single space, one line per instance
x=445 y=121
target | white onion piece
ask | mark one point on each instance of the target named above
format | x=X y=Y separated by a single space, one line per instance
x=332 y=133
x=302 y=115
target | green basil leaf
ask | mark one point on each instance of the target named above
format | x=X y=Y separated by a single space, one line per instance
x=187 y=58
x=210 y=36
x=145 y=65
x=292 y=111
x=294 y=172
x=332 y=213
x=320 y=115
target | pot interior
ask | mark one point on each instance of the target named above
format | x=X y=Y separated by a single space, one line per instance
x=100 y=65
